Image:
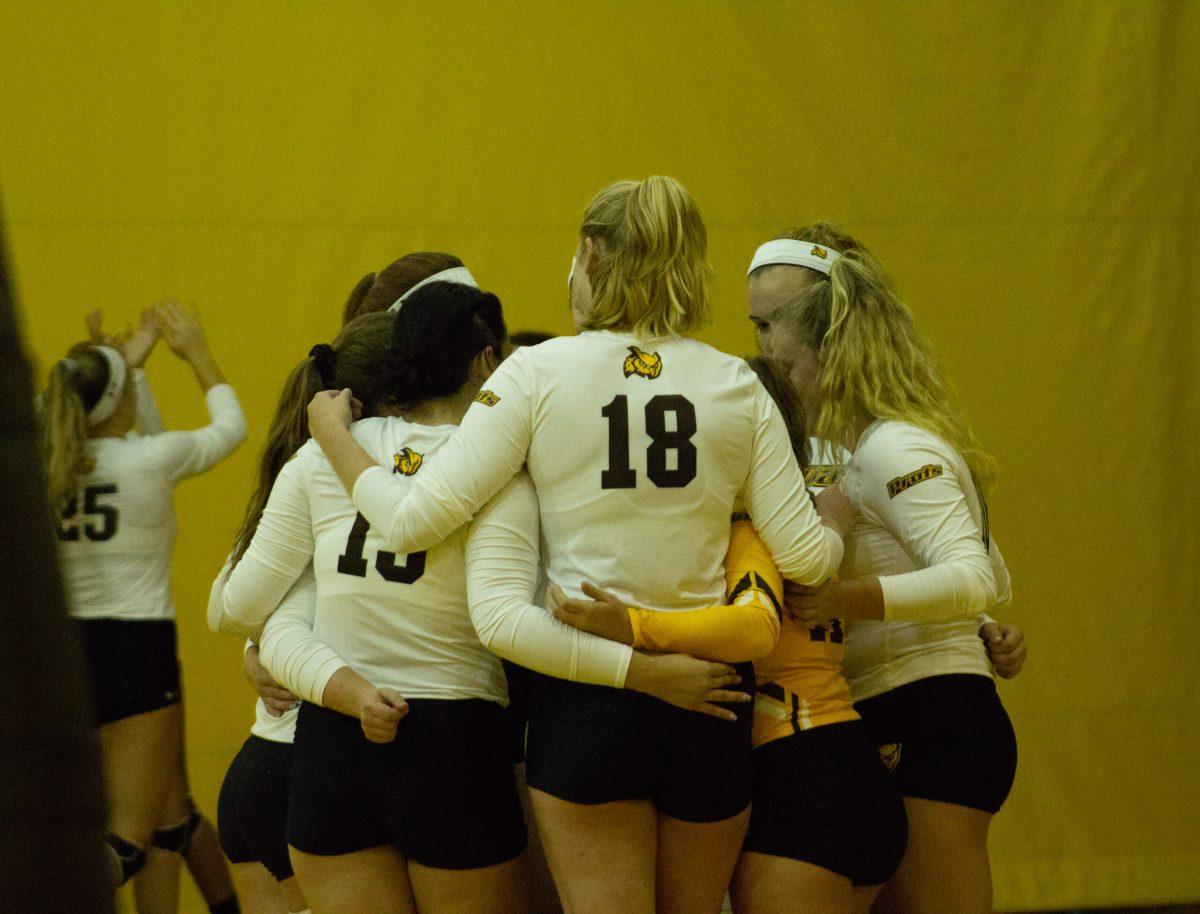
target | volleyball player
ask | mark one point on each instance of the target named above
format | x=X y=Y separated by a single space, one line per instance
x=639 y=805
x=827 y=828
x=252 y=809
x=112 y=493
x=921 y=565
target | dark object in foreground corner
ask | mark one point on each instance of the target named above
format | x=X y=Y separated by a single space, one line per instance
x=51 y=795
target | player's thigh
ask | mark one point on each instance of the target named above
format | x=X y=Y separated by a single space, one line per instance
x=602 y=855
x=500 y=888
x=364 y=882
x=141 y=758
x=945 y=867
x=542 y=896
x=695 y=861
x=258 y=892
x=764 y=884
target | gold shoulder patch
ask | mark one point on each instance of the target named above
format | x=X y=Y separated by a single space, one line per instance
x=487 y=398
x=643 y=364
x=823 y=475
x=900 y=483
x=407 y=462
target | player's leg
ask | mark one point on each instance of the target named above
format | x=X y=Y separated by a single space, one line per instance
x=541 y=895
x=765 y=884
x=363 y=882
x=695 y=862
x=453 y=808
x=703 y=792
x=602 y=856
x=946 y=866
x=252 y=813
x=953 y=756
x=827 y=829
x=140 y=758
x=591 y=758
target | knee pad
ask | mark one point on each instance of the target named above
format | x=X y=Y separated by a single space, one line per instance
x=131 y=856
x=177 y=838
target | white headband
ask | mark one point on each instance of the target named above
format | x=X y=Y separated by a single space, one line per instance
x=460 y=275
x=794 y=253
x=112 y=390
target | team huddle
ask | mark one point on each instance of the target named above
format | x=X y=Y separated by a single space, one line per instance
x=613 y=622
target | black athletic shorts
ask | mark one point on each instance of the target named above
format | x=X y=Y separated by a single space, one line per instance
x=823 y=797
x=252 y=808
x=593 y=744
x=945 y=738
x=517 y=712
x=442 y=792
x=132 y=666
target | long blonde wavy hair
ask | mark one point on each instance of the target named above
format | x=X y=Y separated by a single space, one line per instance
x=652 y=274
x=875 y=363
x=74 y=387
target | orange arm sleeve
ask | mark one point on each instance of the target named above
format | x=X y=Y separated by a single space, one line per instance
x=746 y=627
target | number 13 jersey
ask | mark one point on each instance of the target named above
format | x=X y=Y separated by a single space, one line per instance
x=399 y=620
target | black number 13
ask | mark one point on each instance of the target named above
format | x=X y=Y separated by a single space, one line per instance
x=353 y=562
x=620 y=475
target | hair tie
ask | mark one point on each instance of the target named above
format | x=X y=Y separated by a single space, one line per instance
x=324 y=360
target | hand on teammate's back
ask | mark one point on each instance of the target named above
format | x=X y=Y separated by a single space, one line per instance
x=1005 y=646
x=277 y=699
x=602 y=615
x=836 y=510
x=686 y=682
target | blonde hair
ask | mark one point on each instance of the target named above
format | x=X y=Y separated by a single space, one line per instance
x=651 y=276
x=875 y=363
x=75 y=385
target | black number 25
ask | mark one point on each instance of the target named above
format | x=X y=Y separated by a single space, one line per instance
x=91 y=508
x=620 y=475
x=352 y=561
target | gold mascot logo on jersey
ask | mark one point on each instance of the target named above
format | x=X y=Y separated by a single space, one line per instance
x=889 y=754
x=407 y=462
x=818 y=251
x=900 y=483
x=487 y=398
x=643 y=364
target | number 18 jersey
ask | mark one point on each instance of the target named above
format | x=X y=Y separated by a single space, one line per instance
x=638 y=450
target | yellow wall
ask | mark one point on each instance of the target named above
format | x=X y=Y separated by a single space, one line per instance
x=1027 y=171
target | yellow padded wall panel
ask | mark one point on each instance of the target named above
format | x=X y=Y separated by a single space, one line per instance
x=1027 y=171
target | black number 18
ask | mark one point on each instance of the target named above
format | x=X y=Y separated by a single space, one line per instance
x=620 y=475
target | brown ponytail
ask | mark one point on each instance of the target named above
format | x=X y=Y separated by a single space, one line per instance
x=358 y=360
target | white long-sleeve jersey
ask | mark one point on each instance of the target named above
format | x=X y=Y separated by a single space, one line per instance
x=117 y=533
x=400 y=622
x=638 y=450
x=922 y=529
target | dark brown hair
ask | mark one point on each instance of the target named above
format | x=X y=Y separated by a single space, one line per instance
x=438 y=333
x=379 y=291
x=358 y=361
